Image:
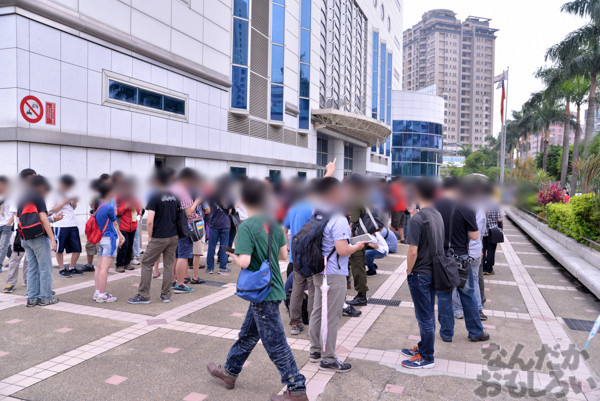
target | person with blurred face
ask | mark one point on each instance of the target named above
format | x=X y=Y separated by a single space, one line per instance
x=128 y=210
x=109 y=245
x=263 y=320
x=493 y=221
x=7 y=218
x=426 y=224
x=91 y=250
x=221 y=206
x=66 y=230
x=358 y=261
x=398 y=207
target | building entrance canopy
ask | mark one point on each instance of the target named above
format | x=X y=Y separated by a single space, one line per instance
x=356 y=126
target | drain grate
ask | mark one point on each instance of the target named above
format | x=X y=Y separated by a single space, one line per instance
x=384 y=302
x=579 y=325
x=214 y=283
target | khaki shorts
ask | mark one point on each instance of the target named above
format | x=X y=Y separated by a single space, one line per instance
x=198 y=247
x=91 y=249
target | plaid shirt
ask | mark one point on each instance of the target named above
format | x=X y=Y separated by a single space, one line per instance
x=184 y=199
x=493 y=214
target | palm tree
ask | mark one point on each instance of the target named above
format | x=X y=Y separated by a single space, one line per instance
x=465 y=150
x=578 y=87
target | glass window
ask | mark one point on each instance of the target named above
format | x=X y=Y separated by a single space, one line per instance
x=173 y=105
x=240 y=8
x=275 y=175
x=304 y=117
x=240 y=41
x=119 y=91
x=278 y=24
x=305 y=14
x=302 y=174
x=276 y=102
x=150 y=99
x=304 y=46
x=399 y=126
x=239 y=87
x=277 y=64
x=237 y=171
x=304 y=80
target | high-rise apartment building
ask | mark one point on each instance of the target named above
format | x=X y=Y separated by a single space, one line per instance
x=457 y=57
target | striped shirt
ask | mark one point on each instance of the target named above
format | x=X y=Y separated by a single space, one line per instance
x=493 y=214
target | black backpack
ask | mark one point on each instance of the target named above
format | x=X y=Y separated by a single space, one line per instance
x=30 y=225
x=306 y=246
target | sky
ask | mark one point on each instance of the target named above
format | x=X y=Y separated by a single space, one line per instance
x=527 y=28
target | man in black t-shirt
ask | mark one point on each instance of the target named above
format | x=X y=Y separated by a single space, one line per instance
x=423 y=225
x=456 y=242
x=162 y=234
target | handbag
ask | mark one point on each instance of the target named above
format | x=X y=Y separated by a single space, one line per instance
x=197 y=229
x=183 y=227
x=368 y=223
x=496 y=235
x=444 y=273
x=254 y=286
x=463 y=265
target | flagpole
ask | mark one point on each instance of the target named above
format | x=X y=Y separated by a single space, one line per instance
x=503 y=139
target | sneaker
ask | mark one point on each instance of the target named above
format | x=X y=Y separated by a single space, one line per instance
x=9 y=288
x=315 y=357
x=202 y=266
x=410 y=352
x=446 y=340
x=337 y=366
x=371 y=273
x=120 y=269
x=135 y=262
x=129 y=267
x=296 y=329
x=88 y=267
x=218 y=372
x=210 y=271
x=224 y=271
x=358 y=301
x=46 y=302
x=289 y=396
x=417 y=362
x=106 y=298
x=483 y=337
x=482 y=316
x=65 y=273
x=459 y=316
x=182 y=289
x=351 y=312
x=32 y=302
x=165 y=300
x=95 y=296
x=138 y=299
x=489 y=273
x=75 y=272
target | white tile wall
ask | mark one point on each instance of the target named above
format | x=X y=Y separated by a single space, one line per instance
x=73 y=49
x=98 y=120
x=94 y=87
x=189 y=23
x=120 y=124
x=99 y=57
x=45 y=158
x=74 y=116
x=141 y=127
x=71 y=160
x=8 y=31
x=44 y=40
x=152 y=30
x=9 y=161
x=22 y=155
x=121 y=63
x=22 y=68
x=158 y=130
x=22 y=33
x=110 y=12
x=73 y=82
x=44 y=74
x=8 y=66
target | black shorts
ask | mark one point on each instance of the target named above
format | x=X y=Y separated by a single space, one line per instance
x=67 y=239
x=398 y=219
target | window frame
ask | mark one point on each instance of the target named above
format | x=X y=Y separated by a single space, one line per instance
x=108 y=76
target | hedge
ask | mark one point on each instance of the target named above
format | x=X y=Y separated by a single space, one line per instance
x=581 y=216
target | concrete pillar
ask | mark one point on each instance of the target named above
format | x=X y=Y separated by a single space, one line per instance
x=336 y=149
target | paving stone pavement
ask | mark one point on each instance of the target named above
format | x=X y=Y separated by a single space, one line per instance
x=80 y=350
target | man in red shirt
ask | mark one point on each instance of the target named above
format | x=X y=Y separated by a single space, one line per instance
x=398 y=207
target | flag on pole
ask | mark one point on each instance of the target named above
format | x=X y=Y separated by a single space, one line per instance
x=500 y=79
x=502 y=103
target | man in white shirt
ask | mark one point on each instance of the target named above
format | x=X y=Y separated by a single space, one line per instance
x=6 y=219
x=66 y=230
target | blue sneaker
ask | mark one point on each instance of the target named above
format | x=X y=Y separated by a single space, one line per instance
x=417 y=362
x=65 y=273
x=410 y=352
x=75 y=272
x=182 y=289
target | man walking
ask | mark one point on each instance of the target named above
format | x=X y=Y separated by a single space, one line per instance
x=425 y=239
x=263 y=321
x=162 y=238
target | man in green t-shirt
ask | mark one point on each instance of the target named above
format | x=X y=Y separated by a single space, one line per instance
x=263 y=321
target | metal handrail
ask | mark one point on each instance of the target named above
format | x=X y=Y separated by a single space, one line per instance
x=590 y=241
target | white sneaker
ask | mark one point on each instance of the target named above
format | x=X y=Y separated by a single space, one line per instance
x=106 y=298
x=135 y=262
x=96 y=296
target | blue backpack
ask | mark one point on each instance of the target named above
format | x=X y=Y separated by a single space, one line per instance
x=254 y=286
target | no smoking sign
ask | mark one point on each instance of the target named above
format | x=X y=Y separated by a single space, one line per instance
x=32 y=109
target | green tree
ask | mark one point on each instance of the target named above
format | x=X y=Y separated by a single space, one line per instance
x=465 y=150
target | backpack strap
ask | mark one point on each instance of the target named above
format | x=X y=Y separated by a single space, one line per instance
x=451 y=227
x=429 y=233
x=107 y=219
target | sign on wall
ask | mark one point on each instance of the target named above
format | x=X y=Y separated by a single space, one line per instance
x=50 y=113
x=32 y=110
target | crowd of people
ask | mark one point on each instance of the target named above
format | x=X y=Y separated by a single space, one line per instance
x=329 y=231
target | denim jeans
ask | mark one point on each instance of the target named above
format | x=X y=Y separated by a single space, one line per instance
x=263 y=322
x=456 y=304
x=371 y=255
x=39 y=275
x=5 y=234
x=423 y=296
x=136 y=241
x=469 y=305
x=220 y=235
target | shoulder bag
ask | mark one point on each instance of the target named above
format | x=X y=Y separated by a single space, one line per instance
x=254 y=286
x=444 y=272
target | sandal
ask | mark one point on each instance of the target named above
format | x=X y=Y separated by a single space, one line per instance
x=157 y=276
x=195 y=281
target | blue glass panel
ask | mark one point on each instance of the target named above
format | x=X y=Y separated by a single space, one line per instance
x=240 y=41
x=304 y=117
x=119 y=91
x=278 y=25
x=277 y=102
x=387 y=147
x=374 y=104
x=396 y=169
x=304 y=80
x=304 y=46
x=438 y=129
x=282 y=2
x=399 y=126
x=150 y=99
x=240 y=8
x=305 y=14
x=173 y=105
x=423 y=157
x=277 y=64
x=239 y=79
x=396 y=139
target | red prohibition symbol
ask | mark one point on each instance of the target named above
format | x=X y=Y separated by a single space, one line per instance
x=32 y=109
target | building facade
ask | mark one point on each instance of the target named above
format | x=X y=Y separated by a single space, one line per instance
x=256 y=87
x=458 y=57
x=417 y=121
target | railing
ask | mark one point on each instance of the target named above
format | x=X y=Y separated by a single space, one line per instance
x=591 y=243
